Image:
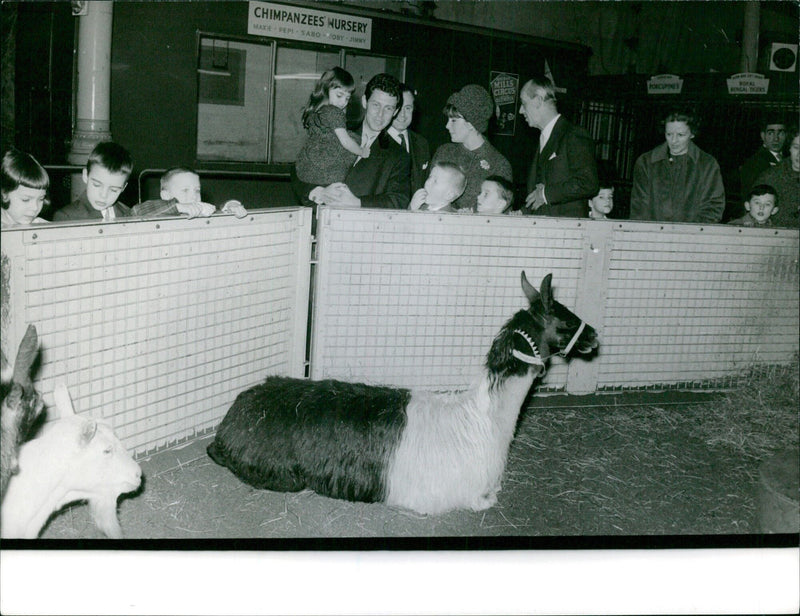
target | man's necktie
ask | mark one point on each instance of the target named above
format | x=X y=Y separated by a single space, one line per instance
x=403 y=142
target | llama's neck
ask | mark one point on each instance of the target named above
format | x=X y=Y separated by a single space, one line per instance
x=504 y=398
x=501 y=364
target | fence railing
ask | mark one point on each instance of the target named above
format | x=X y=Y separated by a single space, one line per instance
x=156 y=325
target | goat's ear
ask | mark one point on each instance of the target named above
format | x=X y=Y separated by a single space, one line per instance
x=88 y=430
x=527 y=288
x=26 y=355
x=547 y=292
x=63 y=401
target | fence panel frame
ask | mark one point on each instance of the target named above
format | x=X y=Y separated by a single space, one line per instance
x=582 y=283
x=202 y=288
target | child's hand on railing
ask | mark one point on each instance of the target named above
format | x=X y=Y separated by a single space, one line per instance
x=234 y=207
x=197 y=208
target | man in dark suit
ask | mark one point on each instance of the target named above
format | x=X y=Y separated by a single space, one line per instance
x=773 y=136
x=415 y=144
x=563 y=175
x=382 y=179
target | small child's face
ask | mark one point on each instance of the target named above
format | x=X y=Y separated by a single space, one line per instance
x=339 y=97
x=24 y=204
x=440 y=186
x=185 y=187
x=490 y=201
x=761 y=207
x=603 y=202
x=103 y=187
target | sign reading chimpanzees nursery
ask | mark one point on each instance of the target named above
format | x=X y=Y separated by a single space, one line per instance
x=305 y=24
x=504 y=90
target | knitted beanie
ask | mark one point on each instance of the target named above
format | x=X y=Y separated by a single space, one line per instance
x=475 y=104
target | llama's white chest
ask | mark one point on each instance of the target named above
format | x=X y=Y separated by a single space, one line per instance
x=453 y=450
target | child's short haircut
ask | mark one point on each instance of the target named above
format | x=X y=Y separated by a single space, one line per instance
x=171 y=173
x=505 y=188
x=456 y=172
x=762 y=189
x=606 y=173
x=111 y=156
x=22 y=169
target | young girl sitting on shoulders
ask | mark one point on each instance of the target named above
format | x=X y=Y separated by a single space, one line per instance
x=24 y=189
x=329 y=151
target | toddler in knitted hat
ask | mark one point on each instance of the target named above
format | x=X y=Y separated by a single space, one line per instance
x=474 y=104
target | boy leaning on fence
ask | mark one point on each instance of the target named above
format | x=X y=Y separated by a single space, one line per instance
x=106 y=175
x=180 y=194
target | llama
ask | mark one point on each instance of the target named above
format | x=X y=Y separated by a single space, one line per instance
x=425 y=451
x=21 y=404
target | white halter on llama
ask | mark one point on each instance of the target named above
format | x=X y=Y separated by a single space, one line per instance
x=535 y=358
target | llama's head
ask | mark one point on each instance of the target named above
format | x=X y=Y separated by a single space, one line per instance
x=531 y=336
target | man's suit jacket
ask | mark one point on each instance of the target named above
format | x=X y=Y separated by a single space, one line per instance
x=81 y=209
x=420 y=154
x=380 y=181
x=568 y=170
x=754 y=166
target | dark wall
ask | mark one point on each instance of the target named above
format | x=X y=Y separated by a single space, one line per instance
x=44 y=33
x=154 y=79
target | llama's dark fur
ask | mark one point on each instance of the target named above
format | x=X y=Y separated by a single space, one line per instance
x=330 y=436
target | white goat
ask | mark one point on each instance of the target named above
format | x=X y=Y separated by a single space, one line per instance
x=74 y=459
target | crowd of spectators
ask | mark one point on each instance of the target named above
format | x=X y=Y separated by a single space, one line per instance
x=385 y=164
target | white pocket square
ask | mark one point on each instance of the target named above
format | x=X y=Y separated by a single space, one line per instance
x=552 y=156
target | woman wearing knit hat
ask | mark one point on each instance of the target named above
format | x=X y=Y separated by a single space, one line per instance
x=468 y=112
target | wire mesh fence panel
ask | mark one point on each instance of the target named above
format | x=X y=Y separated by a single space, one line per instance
x=156 y=325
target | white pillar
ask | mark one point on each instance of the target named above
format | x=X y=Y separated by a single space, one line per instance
x=93 y=99
x=750 y=28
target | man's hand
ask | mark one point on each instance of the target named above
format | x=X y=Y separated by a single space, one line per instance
x=418 y=199
x=340 y=195
x=535 y=199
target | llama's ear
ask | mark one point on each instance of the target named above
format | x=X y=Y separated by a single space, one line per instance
x=527 y=288
x=547 y=292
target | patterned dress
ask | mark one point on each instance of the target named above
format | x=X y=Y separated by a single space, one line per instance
x=322 y=160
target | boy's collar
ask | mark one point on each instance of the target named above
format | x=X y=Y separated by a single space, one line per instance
x=436 y=208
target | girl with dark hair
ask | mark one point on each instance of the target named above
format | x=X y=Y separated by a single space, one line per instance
x=329 y=151
x=24 y=189
x=677 y=181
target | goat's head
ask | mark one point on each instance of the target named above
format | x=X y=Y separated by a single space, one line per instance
x=546 y=328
